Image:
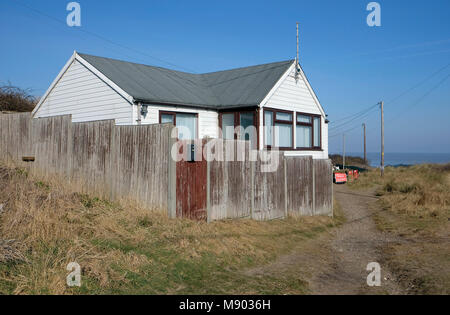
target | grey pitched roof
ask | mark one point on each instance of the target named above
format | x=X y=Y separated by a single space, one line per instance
x=225 y=89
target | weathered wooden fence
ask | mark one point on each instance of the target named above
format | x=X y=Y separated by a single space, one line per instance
x=240 y=184
x=111 y=161
x=135 y=162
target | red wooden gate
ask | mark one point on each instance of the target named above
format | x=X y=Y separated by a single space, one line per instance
x=191 y=187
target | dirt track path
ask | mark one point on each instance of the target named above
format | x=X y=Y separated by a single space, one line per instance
x=336 y=263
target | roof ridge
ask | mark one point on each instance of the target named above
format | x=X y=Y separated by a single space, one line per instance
x=196 y=74
x=249 y=67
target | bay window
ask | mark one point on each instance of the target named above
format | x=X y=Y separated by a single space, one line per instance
x=280 y=126
x=308 y=132
x=278 y=129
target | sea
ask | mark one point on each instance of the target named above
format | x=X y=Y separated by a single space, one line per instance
x=399 y=159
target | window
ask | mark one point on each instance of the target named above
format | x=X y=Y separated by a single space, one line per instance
x=268 y=128
x=280 y=127
x=282 y=135
x=308 y=132
x=228 y=126
x=168 y=118
x=317 y=132
x=186 y=124
x=245 y=120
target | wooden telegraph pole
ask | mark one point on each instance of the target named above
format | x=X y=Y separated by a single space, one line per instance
x=382 y=139
x=365 y=144
x=343 y=152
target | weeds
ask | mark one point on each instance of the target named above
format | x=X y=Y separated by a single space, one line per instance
x=125 y=249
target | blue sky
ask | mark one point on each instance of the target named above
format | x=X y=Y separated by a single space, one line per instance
x=350 y=65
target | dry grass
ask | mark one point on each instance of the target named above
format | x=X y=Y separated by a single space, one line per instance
x=416 y=201
x=125 y=249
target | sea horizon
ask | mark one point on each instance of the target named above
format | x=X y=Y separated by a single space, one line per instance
x=402 y=158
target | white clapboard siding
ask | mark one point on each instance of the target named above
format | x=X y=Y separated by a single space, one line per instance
x=298 y=98
x=208 y=121
x=82 y=94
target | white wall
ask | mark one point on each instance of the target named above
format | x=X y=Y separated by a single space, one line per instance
x=86 y=97
x=208 y=120
x=297 y=97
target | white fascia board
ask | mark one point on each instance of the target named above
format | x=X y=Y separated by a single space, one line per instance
x=105 y=79
x=277 y=85
x=311 y=90
x=283 y=78
x=61 y=73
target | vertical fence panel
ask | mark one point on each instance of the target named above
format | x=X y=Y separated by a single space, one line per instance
x=324 y=187
x=300 y=185
x=49 y=138
x=269 y=190
x=91 y=154
x=230 y=182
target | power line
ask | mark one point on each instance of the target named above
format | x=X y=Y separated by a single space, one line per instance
x=339 y=132
x=353 y=117
x=422 y=97
x=104 y=38
x=417 y=102
x=361 y=115
x=358 y=116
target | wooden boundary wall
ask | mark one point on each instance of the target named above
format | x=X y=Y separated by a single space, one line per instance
x=115 y=162
x=299 y=186
x=134 y=162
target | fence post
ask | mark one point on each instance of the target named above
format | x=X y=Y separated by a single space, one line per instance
x=314 y=186
x=252 y=190
x=285 y=189
x=208 y=191
x=112 y=163
x=172 y=180
x=70 y=135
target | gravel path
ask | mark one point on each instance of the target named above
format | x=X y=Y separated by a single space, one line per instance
x=336 y=262
x=354 y=245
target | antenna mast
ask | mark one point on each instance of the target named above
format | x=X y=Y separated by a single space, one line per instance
x=297 y=60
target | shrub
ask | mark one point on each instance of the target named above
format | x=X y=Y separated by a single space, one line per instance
x=16 y=99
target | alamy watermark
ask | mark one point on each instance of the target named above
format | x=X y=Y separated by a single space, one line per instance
x=74 y=277
x=221 y=150
x=374 y=17
x=374 y=277
x=74 y=17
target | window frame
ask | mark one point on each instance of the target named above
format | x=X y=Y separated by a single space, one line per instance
x=294 y=123
x=174 y=114
x=297 y=123
x=276 y=121
x=237 y=122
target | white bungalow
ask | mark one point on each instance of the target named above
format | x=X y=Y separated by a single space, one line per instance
x=273 y=95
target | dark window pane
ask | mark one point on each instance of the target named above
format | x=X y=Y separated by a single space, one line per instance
x=228 y=126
